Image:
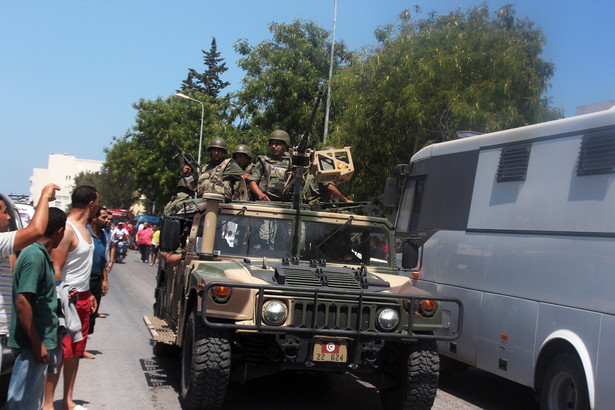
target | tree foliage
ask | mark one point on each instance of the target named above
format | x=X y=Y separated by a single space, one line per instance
x=113 y=192
x=431 y=77
x=283 y=75
x=208 y=82
x=148 y=153
x=427 y=78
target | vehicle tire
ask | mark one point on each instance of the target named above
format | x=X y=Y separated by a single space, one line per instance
x=564 y=385
x=206 y=365
x=418 y=376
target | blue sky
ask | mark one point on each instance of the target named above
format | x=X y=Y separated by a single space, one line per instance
x=70 y=70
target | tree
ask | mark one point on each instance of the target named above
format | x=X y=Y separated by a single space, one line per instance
x=283 y=75
x=113 y=192
x=209 y=81
x=432 y=77
x=147 y=152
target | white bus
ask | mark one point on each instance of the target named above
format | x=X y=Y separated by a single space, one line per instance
x=520 y=226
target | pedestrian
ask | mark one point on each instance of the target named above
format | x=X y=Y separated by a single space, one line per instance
x=155 y=243
x=270 y=173
x=99 y=284
x=34 y=327
x=11 y=242
x=144 y=241
x=72 y=261
x=110 y=251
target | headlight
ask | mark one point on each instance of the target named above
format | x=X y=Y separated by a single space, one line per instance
x=274 y=313
x=388 y=319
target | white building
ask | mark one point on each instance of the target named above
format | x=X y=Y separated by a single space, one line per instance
x=61 y=170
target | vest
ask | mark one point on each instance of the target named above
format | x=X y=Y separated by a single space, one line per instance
x=210 y=180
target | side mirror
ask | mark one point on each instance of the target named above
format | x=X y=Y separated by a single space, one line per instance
x=391 y=187
x=410 y=255
x=170 y=230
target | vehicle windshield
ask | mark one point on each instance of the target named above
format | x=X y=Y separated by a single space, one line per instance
x=346 y=243
x=239 y=235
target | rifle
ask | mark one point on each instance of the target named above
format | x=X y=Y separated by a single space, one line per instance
x=187 y=159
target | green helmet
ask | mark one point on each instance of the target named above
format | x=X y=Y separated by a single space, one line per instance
x=243 y=149
x=280 y=135
x=218 y=143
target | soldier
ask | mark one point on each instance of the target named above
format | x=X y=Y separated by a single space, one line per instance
x=238 y=172
x=210 y=180
x=184 y=189
x=315 y=193
x=270 y=172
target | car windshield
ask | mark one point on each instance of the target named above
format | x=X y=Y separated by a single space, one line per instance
x=346 y=243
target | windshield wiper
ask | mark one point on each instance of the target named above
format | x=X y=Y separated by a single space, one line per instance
x=241 y=212
x=337 y=230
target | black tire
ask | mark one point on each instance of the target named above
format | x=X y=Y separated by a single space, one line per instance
x=206 y=365
x=419 y=379
x=564 y=385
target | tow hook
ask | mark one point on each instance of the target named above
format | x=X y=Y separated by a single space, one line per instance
x=290 y=347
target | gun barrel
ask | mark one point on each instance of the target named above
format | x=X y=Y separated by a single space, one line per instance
x=306 y=135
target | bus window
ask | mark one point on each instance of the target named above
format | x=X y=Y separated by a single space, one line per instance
x=410 y=205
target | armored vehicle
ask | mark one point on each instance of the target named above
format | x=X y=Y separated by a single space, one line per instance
x=262 y=287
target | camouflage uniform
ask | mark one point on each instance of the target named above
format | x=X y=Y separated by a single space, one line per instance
x=314 y=192
x=211 y=180
x=183 y=191
x=232 y=178
x=270 y=175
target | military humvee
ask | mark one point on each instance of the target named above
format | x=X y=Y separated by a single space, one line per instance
x=269 y=286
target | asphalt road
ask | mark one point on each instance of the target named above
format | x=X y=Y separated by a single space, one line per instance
x=125 y=373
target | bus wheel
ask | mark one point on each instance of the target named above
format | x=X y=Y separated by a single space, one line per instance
x=564 y=385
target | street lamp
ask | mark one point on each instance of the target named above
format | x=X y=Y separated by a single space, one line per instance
x=181 y=95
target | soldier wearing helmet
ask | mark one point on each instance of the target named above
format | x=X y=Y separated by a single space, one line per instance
x=211 y=179
x=270 y=172
x=238 y=172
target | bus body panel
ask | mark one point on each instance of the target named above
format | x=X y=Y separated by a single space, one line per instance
x=532 y=258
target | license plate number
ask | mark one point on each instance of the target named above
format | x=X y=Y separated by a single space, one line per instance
x=327 y=351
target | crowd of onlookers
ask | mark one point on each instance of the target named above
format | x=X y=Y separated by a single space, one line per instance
x=53 y=275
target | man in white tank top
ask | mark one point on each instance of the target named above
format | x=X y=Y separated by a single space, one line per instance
x=72 y=261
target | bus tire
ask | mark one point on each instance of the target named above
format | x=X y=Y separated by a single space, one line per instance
x=419 y=376
x=206 y=365
x=564 y=385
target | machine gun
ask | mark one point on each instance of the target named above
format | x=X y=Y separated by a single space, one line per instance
x=328 y=165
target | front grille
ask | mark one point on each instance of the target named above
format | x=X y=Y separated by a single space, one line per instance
x=334 y=315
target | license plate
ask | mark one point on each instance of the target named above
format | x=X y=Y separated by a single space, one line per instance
x=328 y=351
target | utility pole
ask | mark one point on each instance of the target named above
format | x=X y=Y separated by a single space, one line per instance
x=324 y=136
